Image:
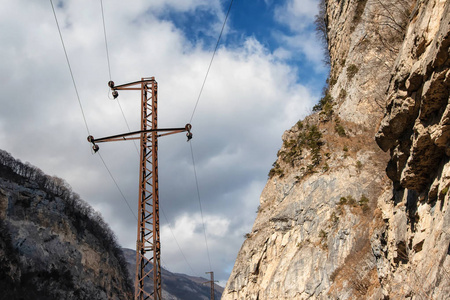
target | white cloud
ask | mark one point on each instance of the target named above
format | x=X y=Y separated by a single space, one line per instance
x=250 y=98
x=297 y=14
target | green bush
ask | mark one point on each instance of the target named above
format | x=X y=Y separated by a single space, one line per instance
x=276 y=171
x=334 y=219
x=359 y=166
x=342 y=201
x=351 y=71
x=340 y=130
x=342 y=94
x=323 y=101
x=351 y=201
x=444 y=191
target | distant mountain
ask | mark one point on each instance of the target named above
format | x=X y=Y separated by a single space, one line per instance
x=177 y=286
x=53 y=245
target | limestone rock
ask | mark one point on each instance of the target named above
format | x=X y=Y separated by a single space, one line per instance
x=331 y=224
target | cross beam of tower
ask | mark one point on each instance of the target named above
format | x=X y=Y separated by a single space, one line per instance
x=148 y=245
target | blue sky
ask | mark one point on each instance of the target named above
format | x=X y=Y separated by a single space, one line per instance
x=266 y=75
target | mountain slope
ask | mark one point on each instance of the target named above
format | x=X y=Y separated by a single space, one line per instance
x=52 y=244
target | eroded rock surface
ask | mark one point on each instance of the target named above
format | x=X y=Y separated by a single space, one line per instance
x=340 y=219
x=415 y=130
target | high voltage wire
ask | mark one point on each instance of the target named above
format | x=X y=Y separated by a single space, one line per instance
x=70 y=69
x=210 y=63
x=109 y=68
x=190 y=121
x=179 y=247
x=200 y=204
x=81 y=106
x=106 y=41
x=117 y=185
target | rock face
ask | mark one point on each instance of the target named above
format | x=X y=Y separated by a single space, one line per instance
x=339 y=218
x=52 y=244
x=415 y=256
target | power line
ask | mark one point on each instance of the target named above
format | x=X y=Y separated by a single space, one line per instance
x=109 y=66
x=176 y=241
x=115 y=182
x=200 y=204
x=81 y=107
x=106 y=40
x=190 y=121
x=70 y=69
x=210 y=63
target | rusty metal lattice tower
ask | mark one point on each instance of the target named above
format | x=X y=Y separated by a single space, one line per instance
x=212 y=283
x=148 y=244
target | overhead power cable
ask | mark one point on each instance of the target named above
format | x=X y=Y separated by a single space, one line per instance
x=109 y=68
x=210 y=63
x=117 y=185
x=200 y=204
x=70 y=69
x=106 y=40
x=81 y=106
x=176 y=241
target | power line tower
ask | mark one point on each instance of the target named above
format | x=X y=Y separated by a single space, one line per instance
x=212 y=283
x=148 y=245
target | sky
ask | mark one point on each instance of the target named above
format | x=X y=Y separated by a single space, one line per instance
x=267 y=74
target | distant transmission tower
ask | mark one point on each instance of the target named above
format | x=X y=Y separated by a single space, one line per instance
x=148 y=245
x=212 y=283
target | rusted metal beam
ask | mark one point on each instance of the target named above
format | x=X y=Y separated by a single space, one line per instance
x=136 y=135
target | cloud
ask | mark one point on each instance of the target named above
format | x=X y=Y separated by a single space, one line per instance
x=251 y=96
x=300 y=41
x=297 y=14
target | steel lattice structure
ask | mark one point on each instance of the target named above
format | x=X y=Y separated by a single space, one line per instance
x=148 y=244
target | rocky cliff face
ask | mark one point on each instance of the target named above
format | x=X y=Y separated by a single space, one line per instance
x=412 y=246
x=52 y=244
x=339 y=218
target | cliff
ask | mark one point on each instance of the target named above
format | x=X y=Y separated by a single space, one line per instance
x=52 y=244
x=412 y=245
x=356 y=203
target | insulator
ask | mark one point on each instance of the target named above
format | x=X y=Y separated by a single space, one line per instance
x=188 y=127
x=95 y=148
x=90 y=138
x=189 y=136
x=111 y=84
x=115 y=94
